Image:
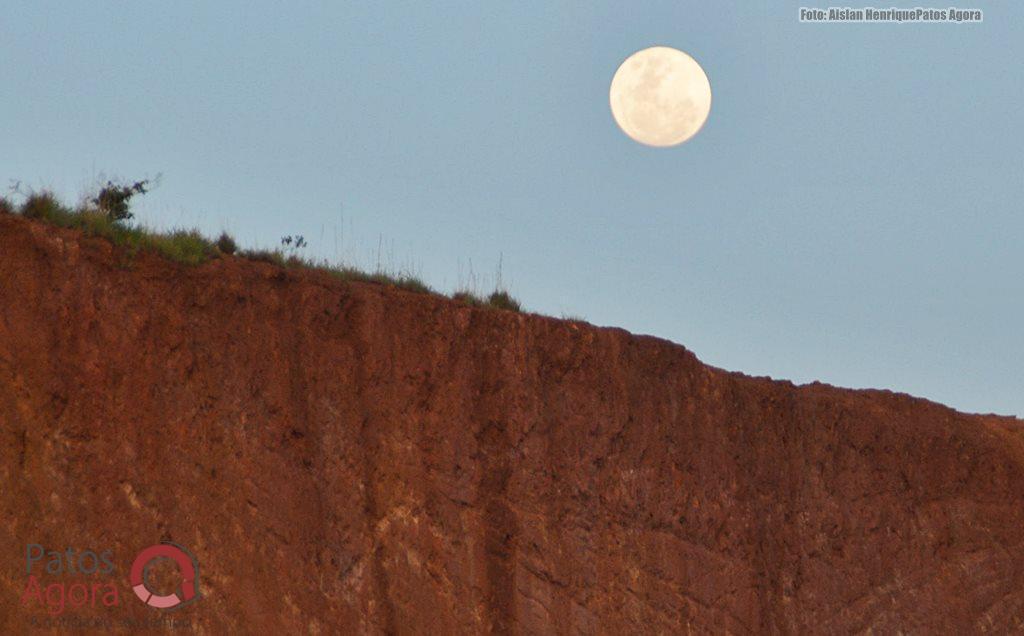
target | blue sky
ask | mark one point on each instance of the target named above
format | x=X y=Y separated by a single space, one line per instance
x=851 y=212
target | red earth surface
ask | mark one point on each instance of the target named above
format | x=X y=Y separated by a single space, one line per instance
x=353 y=458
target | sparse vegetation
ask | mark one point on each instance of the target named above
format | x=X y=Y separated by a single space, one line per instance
x=45 y=207
x=184 y=246
x=274 y=257
x=468 y=298
x=468 y=293
x=226 y=244
x=500 y=299
x=107 y=215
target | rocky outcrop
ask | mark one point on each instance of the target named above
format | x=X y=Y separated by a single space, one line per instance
x=353 y=458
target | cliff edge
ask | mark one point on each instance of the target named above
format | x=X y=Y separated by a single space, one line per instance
x=353 y=458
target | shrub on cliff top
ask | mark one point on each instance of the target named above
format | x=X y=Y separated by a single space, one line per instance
x=185 y=246
x=45 y=207
x=407 y=282
x=113 y=199
x=226 y=244
x=467 y=297
x=274 y=257
x=6 y=207
x=498 y=299
x=502 y=300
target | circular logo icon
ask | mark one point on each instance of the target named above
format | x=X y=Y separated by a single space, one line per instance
x=187 y=566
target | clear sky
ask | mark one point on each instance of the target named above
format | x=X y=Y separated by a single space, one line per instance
x=851 y=212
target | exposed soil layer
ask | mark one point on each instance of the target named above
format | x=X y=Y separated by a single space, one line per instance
x=353 y=458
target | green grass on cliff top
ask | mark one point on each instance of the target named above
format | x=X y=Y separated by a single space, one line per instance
x=190 y=247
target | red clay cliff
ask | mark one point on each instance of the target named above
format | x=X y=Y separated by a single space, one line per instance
x=353 y=458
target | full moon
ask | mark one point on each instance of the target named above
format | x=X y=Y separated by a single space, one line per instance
x=660 y=96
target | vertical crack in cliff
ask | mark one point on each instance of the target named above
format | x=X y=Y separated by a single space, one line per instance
x=500 y=529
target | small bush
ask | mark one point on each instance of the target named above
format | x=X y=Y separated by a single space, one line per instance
x=44 y=206
x=502 y=300
x=184 y=246
x=413 y=284
x=6 y=207
x=226 y=244
x=344 y=273
x=401 y=281
x=274 y=257
x=113 y=199
x=98 y=224
x=497 y=300
x=468 y=298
